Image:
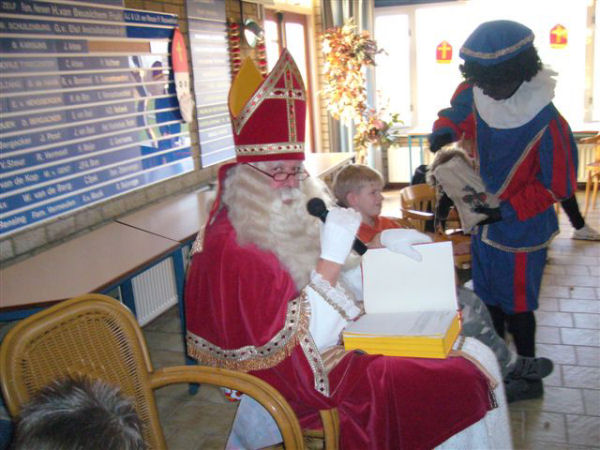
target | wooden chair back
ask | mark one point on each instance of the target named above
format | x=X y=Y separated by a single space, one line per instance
x=418 y=197
x=592 y=174
x=418 y=205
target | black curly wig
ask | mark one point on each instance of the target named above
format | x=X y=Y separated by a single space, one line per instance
x=522 y=67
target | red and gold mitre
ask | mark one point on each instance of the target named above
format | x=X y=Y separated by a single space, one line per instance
x=268 y=115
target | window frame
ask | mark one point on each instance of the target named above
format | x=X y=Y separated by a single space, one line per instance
x=306 y=21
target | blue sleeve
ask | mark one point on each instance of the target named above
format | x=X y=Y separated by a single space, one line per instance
x=452 y=120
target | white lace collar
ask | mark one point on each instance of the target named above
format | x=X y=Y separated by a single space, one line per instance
x=531 y=97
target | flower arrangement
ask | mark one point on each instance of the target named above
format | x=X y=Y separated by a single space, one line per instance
x=347 y=55
x=376 y=128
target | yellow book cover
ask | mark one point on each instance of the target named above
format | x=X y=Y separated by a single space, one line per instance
x=436 y=345
x=411 y=307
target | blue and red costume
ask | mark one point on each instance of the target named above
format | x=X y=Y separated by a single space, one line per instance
x=529 y=167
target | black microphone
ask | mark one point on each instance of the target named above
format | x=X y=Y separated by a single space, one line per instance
x=316 y=207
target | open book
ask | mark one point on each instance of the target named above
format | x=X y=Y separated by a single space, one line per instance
x=411 y=307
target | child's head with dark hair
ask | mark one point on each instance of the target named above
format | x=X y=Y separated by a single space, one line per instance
x=499 y=56
x=75 y=413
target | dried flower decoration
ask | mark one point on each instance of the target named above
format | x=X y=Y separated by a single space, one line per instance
x=347 y=54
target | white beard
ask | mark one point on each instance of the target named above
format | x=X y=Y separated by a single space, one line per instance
x=276 y=220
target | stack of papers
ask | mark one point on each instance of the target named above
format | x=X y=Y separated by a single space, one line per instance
x=411 y=307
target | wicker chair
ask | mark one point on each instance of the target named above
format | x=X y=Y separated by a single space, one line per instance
x=96 y=336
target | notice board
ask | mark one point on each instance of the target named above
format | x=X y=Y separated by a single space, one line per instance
x=88 y=108
x=209 y=50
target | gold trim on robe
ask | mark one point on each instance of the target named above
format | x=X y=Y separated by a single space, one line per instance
x=250 y=357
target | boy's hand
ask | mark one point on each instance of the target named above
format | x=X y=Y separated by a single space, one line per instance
x=400 y=241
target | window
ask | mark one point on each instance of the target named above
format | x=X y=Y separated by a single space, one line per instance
x=392 y=75
x=286 y=29
x=431 y=83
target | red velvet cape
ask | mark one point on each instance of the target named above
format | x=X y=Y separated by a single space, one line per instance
x=237 y=296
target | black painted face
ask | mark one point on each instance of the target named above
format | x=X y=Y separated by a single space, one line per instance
x=499 y=91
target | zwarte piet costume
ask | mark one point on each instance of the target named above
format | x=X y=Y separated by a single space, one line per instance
x=526 y=155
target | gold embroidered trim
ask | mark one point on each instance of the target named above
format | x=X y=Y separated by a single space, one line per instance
x=267 y=90
x=505 y=51
x=288 y=92
x=311 y=352
x=506 y=248
x=316 y=364
x=255 y=101
x=289 y=104
x=252 y=357
x=274 y=148
x=332 y=356
x=515 y=167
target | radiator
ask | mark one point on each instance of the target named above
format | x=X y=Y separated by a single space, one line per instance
x=154 y=291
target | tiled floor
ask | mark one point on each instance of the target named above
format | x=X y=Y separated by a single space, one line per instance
x=190 y=422
x=568 y=417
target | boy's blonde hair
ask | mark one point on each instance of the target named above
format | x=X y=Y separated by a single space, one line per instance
x=351 y=179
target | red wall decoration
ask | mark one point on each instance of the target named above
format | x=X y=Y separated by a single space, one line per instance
x=443 y=53
x=559 y=36
x=234 y=47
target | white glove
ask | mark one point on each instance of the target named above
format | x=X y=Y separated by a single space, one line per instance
x=400 y=240
x=338 y=233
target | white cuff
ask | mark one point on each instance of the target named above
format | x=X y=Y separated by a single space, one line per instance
x=336 y=296
x=330 y=311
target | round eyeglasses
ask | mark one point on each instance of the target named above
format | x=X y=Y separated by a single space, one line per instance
x=299 y=174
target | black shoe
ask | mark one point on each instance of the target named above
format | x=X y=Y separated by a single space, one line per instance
x=522 y=389
x=531 y=368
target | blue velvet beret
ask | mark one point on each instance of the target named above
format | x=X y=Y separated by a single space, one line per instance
x=496 y=41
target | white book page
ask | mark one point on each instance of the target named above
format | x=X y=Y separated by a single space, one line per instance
x=430 y=323
x=392 y=282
